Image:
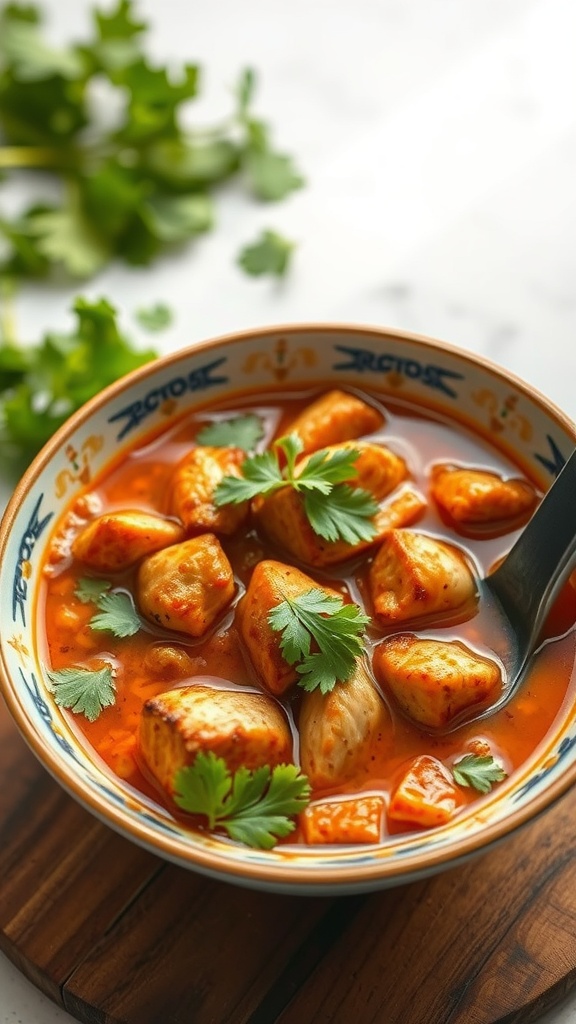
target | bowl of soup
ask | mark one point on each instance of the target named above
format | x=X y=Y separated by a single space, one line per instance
x=243 y=622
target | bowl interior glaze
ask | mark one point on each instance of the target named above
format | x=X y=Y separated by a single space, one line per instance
x=392 y=365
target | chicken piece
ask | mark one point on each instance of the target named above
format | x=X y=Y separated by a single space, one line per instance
x=354 y=820
x=434 y=681
x=413 y=575
x=475 y=497
x=116 y=540
x=335 y=416
x=242 y=727
x=194 y=483
x=426 y=795
x=282 y=517
x=338 y=729
x=186 y=586
x=271 y=583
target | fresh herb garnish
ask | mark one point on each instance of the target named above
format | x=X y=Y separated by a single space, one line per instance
x=155 y=318
x=237 y=432
x=335 y=628
x=117 y=614
x=42 y=384
x=89 y=589
x=333 y=508
x=478 y=771
x=82 y=690
x=116 y=611
x=135 y=185
x=253 y=807
x=269 y=254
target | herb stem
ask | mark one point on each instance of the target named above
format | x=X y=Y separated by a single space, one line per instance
x=8 y=334
x=22 y=157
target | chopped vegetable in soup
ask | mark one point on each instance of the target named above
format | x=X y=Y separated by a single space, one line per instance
x=268 y=620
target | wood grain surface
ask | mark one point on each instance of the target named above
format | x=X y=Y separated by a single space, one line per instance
x=117 y=936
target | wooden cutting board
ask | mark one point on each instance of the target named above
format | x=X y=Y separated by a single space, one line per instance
x=114 y=934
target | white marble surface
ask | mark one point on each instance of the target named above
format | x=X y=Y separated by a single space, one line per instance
x=439 y=142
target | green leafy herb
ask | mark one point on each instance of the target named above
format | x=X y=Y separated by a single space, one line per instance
x=83 y=690
x=135 y=185
x=325 y=622
x=270 y=254
x=253 y=807
x=117 y=614
x=89 y=590
x=155 y=318
x=479 y=771
x=333 y=508
x=42 y=384
x=116 y=611
x=238 y=432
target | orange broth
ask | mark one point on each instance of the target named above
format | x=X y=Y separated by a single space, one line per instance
x=141 y=481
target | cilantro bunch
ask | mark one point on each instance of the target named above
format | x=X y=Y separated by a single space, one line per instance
x=42 y=384
x=138 y=186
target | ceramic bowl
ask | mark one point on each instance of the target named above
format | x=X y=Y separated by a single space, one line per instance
x=390 y=364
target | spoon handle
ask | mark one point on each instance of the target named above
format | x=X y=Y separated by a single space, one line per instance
x=531 y=574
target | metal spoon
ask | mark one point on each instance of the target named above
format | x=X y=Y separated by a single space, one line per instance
x=523 y=587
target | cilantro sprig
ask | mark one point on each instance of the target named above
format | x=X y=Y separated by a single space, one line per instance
x=252 y=807
x=320 y=620
x=116 y=612
x=334 y=509
x=478 y=771
x=84 y=691
x=237 y=431
x=134 y=186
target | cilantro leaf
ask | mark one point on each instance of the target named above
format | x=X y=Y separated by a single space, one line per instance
x=117 y=614
x=82 y=690
x=271 y=175
x=238 y=432
x=270 y=254
x=253 y=807
x=66 y=239
x=316 y=619
x=155 y=318
x=321 y=472
x=347 y=515
x=333 y=509
x=89 y=590
x=479 y=771
x=261 y=474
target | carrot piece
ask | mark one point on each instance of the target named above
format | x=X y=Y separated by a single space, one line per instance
x=354 y=820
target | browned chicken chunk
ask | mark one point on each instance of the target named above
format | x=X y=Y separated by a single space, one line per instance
x=271 y=583
x=338 y=729
x=413 y=575
x=476 y=497
x=379 y=471
x=243 y=728
x=194 y=482
x=426 y=794
x=187 y=586
x=117 y=540
x=335 y=416
x=434 y=681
